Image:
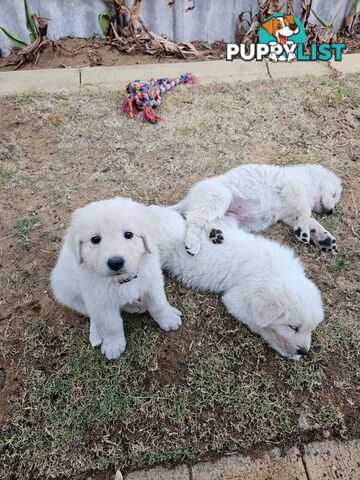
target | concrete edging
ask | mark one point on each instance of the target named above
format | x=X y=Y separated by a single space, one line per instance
x=328 y=460
x=71 y=79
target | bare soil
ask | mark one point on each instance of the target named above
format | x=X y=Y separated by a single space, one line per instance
x=212 y=387
x=85 y=52
x=89 y=52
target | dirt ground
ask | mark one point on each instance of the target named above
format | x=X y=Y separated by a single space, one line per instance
x=84 y=52
x=212 y=387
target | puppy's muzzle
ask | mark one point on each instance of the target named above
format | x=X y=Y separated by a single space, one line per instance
x=115 y=263
x=302 y=351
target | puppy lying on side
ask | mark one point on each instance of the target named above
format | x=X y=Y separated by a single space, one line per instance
x=107 y=262
x=262 y=283
x=257 y=196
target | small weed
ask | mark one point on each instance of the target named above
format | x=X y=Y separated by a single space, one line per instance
x=60 y=196
x=24 y=225
x=339 y=264
x=332 y=222
x=7 y=173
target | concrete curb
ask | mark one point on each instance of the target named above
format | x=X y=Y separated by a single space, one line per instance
x=70 y=79
x=328 y=460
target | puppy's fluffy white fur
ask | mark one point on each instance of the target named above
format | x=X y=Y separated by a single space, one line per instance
x=257 y=196
x=261 y=282
x=83 y=281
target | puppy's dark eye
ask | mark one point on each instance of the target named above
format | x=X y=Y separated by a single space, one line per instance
x=334 y=195
x=128 y=235
x=95 y=239
x=296 y=329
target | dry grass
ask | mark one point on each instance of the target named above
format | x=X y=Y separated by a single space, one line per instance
x=211 y=387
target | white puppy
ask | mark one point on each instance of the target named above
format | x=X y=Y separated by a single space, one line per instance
x=262 y=283
x=257 y=196
x=107 y=262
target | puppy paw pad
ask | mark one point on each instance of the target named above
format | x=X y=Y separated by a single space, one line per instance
x=216 y=236
x=326 y=243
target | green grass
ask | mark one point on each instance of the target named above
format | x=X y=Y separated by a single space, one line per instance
x=24 y=225
x=105 y=414
x=25 y=99
x=213 y=387
x=339 y=264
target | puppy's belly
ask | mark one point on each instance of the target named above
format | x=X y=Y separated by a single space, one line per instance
x=250 y=214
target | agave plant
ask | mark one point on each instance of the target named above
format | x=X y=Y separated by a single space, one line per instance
x=37 y=26
x=30 y=25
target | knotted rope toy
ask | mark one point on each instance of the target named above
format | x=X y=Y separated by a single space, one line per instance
x=146 y=96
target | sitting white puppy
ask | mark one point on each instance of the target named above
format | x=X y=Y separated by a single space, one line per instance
x=107 y=262
x=262 y=283
x=257 y=196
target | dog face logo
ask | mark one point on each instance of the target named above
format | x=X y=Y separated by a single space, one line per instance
x=282 y=33
x=282 y=38
x=281 y=27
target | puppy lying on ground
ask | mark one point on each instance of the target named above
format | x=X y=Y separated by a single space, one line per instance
x=262 y=283
x=257 y=196
x=107 y=262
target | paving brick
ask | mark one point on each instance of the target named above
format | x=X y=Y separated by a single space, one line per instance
x=47 y=81
x=333 y=460
x=267 y=466
x=159 y=473
x=349 y=64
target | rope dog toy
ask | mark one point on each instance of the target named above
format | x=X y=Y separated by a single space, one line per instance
x=146 y=96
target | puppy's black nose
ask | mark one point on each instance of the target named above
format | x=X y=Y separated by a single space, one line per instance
x=302 y=351
x=293 y=27
x=329 y=212
x=116 y=263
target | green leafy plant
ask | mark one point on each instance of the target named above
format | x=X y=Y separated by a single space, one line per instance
x=30 y=25
x=105 y=17
x=328 y=25
x=15 y=40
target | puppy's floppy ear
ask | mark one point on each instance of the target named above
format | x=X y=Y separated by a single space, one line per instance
x=269 y=309
x=147 y=230
x=74 y=240
x=75 y=246
x=149 y=246
x=270 y=26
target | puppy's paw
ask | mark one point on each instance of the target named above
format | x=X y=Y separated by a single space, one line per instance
x=192 y=244
x=324 y=240
x=170 y=319
x=302 y=233
x=113 y=347
x=216 y=236
x=136 y=307
x=95 y=338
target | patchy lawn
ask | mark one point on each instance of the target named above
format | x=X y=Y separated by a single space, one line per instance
x=211 y=387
